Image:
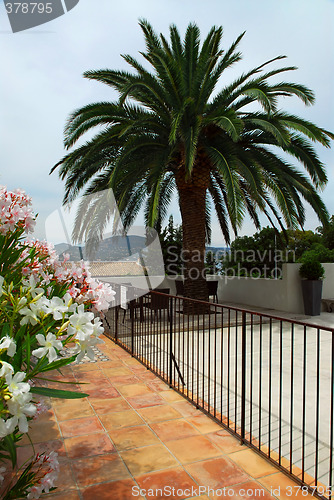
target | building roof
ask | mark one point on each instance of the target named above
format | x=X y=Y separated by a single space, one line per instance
x=118 y=268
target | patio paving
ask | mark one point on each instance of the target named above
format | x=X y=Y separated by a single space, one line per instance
x=134 y=432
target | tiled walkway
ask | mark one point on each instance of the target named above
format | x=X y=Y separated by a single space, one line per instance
x=134 y=432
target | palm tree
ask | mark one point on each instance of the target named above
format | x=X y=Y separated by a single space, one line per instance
x=230 y=148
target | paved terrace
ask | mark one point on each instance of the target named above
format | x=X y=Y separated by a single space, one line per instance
x=206 y=352
x=133 y=431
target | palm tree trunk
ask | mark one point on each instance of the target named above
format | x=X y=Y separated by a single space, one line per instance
x=192 y=207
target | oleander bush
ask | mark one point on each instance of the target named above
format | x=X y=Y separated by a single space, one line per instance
x=45 y=325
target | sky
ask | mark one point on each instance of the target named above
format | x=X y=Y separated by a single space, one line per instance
x=41 y=75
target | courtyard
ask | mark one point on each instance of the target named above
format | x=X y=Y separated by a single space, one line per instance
x=135 y=433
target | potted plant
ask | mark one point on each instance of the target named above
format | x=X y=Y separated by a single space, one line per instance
x=312 y=272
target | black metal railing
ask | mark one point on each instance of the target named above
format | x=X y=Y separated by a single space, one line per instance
x=269 y=380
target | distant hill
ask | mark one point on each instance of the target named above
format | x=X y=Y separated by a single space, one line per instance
x=217 y=249
x=115 y=248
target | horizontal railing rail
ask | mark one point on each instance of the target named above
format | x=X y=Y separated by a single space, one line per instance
x=267 y=379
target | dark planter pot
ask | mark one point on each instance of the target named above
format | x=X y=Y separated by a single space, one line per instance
x=312 y=290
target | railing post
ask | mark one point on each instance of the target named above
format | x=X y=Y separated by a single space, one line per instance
x=243 y=377
x=116 y=310
x=170 y=342
x=116 y=322
x=132 y=316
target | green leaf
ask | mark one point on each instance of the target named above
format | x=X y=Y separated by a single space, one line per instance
x=60 y=381
x=5 y=330
x=57 y=393
x=20 y=332
x=11 y=448
x=58 y=364
x=28 y=349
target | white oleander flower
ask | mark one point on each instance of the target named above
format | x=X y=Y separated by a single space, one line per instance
x=34 y=312
x=6 y=369
x=97 y=328
x=48 y=481
x=53 y=460
x=7 y=426
x=29 y=316
x=84 y=346
x=15 y=383
x=35 y=492
x=22 y=302
x=9 y=344
x=56 y=307
x=81 y=323
x=30 y=285
x=104 y=295
x=20 y=407
x=49 y=346
x=68 y=302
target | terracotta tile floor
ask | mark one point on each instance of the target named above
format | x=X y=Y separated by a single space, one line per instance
x=134 y=432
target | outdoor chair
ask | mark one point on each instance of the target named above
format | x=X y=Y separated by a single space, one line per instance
x=212 y=290
x=159 y=303
x=179 y=287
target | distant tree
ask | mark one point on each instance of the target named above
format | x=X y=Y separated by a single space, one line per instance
x=171 y=246
x=300 y=242
x=318 y=252
x=264 y=253
x=211 y=264
x=260 y=255
x=327 y=234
